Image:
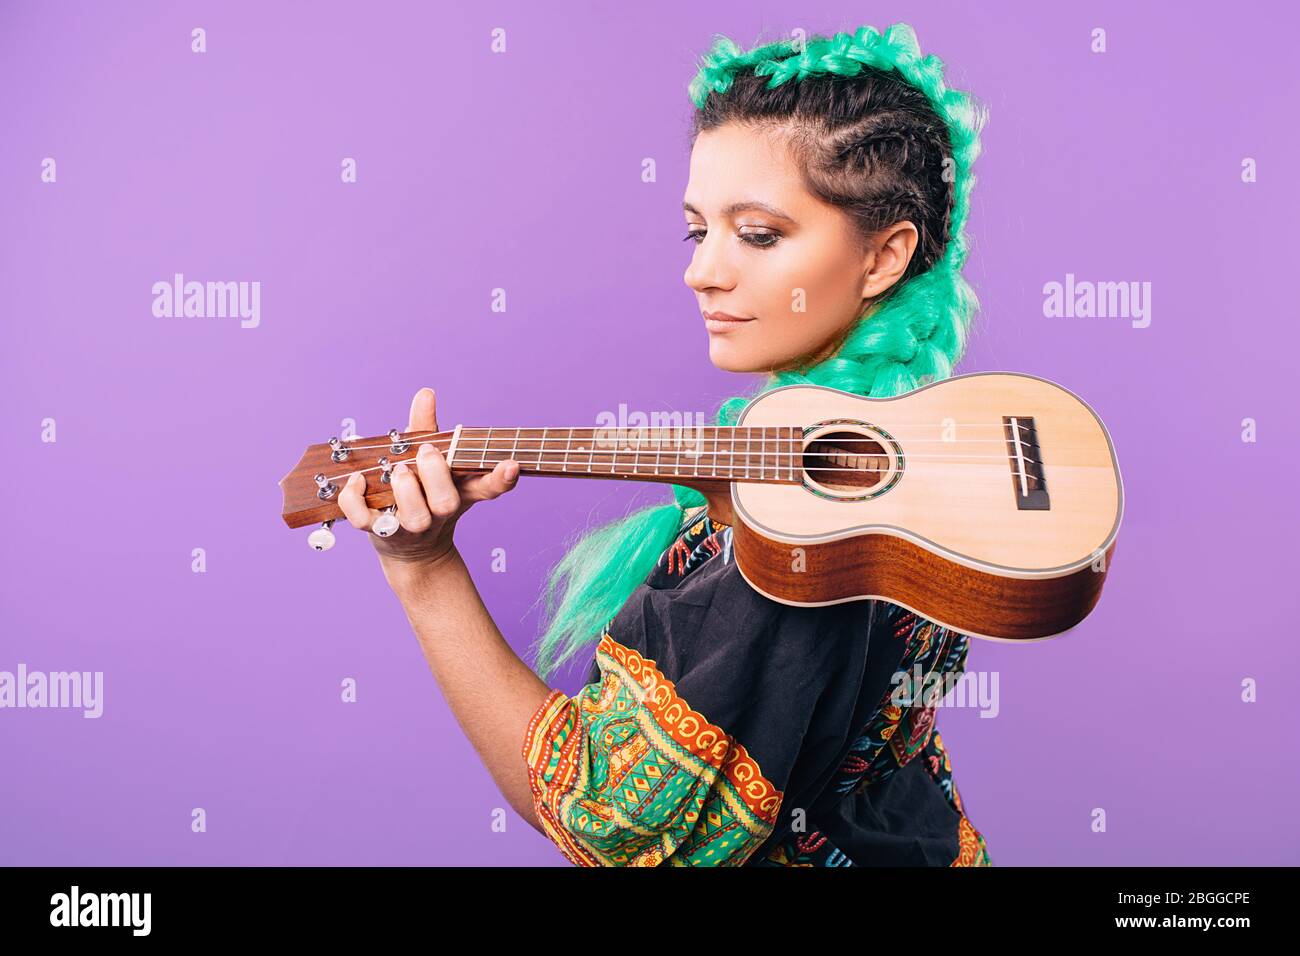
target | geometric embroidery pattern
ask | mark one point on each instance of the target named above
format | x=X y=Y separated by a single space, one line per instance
x=628 y=774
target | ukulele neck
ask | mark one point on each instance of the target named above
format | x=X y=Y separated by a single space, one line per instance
x=677 y=455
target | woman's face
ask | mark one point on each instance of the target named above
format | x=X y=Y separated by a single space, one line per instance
x=770 y=253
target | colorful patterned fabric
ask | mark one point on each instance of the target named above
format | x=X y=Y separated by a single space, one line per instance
x=721 y=728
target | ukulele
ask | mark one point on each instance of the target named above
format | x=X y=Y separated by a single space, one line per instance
x=988 y=503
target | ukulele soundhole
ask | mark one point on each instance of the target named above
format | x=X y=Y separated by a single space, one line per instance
x=850 y=460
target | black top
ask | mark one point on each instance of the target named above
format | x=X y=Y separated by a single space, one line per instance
x=805 y=692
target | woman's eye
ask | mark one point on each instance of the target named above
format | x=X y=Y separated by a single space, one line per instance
x=760 y=240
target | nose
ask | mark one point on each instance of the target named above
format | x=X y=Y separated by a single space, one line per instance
x=710 y=267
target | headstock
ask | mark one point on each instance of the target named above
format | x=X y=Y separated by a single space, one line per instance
x=311 y=489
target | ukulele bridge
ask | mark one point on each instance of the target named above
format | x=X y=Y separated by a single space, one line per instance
x=1026 y=460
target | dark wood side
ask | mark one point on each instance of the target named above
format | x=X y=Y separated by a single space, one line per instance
x=966 y=600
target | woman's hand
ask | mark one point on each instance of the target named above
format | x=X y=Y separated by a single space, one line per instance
x=428 y=506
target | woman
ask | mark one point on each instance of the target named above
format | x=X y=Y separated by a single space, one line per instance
x=829 y=184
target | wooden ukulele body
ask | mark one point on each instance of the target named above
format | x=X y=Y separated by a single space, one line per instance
x=941 y=524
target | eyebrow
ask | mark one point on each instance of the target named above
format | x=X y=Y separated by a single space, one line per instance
x=743 y=205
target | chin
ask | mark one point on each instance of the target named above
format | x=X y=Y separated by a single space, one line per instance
x=729 y=358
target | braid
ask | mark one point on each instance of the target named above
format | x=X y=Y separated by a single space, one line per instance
x=892 y=155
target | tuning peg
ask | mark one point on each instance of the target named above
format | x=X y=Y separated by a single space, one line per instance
x=325 y=489
x=386 y=524
x=386 y=476
x=322 y=539
x=339 y=453
x=398 y=446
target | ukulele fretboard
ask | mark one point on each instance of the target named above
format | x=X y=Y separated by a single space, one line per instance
x=769 y=453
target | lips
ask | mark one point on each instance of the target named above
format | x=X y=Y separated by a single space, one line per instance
x=724 y=322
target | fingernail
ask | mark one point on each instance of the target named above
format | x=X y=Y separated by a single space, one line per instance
x=400 y=468
x=425 y=450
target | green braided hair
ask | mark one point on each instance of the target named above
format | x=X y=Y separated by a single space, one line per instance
x=877 y=134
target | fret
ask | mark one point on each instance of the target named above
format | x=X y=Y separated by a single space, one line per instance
x=567 y=442
x=482 y=461
x=612 y=451
x=659 y=448
x=762 y=454
x=636 y=451
x=749 y=432
x=591 y=449
x=451 y=449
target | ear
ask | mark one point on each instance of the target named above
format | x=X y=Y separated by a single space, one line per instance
x=893 y=249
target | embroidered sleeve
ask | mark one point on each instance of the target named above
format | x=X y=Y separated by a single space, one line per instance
x=626 y=773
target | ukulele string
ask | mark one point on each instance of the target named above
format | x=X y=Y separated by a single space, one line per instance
x=677 y=476
x=739 y=461
x=438 y=436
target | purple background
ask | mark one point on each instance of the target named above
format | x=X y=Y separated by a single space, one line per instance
x=522 y=171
